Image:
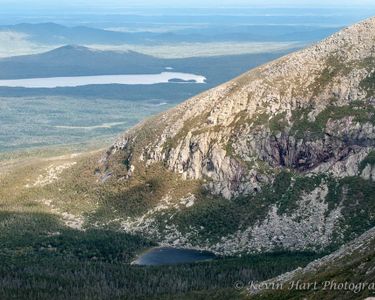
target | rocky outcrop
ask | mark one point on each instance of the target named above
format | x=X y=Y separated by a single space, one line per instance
x=368 y=172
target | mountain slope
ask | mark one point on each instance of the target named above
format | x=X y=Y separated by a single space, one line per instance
x=280 y=157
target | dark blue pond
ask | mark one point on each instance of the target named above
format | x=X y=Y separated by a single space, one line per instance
x=170 y=256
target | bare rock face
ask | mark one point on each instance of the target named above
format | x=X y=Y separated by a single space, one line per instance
x=310 y=113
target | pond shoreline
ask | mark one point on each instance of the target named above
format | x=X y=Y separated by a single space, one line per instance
x=166 y=255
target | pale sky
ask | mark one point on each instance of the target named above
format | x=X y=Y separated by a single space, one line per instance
x=40 y=4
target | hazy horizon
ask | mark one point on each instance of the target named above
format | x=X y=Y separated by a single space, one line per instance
x=102 y=6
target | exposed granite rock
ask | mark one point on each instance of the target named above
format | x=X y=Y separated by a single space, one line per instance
x=368 y=173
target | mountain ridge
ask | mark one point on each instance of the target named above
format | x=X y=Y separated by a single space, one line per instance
x=193 y=107
x=293 y=137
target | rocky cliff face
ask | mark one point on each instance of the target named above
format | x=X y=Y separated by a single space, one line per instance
x=310 y=115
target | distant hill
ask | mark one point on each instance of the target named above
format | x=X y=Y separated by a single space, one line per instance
x=77 y=60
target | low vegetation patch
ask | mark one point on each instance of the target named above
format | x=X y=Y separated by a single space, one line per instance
x=369 y=160
x=361 y=112
x=334 y=67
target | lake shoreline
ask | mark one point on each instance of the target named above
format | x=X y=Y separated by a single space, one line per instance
x=125 y=79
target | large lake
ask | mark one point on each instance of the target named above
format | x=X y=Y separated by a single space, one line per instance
x=171 y=256
x=54 y=82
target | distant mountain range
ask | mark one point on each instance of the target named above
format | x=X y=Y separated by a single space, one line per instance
x=52 y=33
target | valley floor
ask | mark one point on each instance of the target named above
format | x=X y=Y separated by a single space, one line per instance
x=49 y=250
